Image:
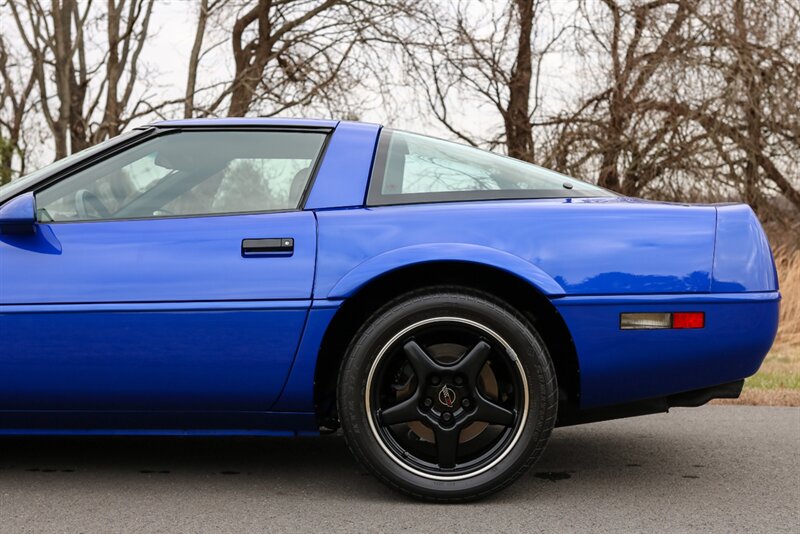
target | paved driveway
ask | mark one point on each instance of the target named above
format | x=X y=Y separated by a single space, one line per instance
x=719 y=468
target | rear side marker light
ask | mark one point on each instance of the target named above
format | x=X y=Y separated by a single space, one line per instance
x=688 y=320
x=662 y=321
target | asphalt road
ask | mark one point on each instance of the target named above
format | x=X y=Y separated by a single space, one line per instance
x=720 y=468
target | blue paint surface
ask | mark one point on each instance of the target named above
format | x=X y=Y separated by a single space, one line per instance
x=742 y=259
x=563 y=247
x=157 y=260
x=618 y=366
x=161 y=326
x=343 y=175
x=166 y=357
x=21 y=210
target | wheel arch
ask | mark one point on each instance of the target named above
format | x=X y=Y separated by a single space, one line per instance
x=435 y=253
x=362 y=300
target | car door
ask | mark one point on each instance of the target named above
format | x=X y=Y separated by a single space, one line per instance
x=175 y=275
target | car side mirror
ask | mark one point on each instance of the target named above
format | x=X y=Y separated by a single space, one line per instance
x=18 y=215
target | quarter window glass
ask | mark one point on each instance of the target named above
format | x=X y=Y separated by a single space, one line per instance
x=189 y=173
x=419 y=168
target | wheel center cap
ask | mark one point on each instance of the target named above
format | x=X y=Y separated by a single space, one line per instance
x=447 y=396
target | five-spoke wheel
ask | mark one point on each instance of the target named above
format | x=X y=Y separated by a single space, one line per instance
x=451 y=379
x=447 y=395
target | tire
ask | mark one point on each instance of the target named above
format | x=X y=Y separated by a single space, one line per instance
x=447 y=394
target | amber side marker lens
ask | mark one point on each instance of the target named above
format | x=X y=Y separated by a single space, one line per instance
x=662 y=321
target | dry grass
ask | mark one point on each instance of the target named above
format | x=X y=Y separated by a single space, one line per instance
x=777 y=383
x=788 y=263
x=764 y=397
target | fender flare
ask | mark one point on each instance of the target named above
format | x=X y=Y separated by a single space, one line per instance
x=398 y=258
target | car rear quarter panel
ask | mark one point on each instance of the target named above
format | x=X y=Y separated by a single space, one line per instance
x=742 y=259
x=573 y=247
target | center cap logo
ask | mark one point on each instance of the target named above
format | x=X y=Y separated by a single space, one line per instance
x=447 y=396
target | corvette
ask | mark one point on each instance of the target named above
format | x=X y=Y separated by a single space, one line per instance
x=445 y=306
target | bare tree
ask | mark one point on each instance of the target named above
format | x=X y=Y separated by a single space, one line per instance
x=206 y=10
x=700 y=99
x=673 y=99
x=487 y=53
x=751 y=61
x=16 y=104
x=86 y=94
x=631 y=53
x=286 y=54
x=127 y=27
x=690 y=99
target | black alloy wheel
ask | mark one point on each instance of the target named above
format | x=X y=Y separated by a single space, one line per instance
x=447 y=395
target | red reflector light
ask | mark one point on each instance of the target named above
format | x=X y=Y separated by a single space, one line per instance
x=688 y=320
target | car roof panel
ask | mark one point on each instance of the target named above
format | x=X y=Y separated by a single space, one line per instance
x=247 y=121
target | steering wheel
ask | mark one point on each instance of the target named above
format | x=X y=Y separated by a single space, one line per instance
x=85 y=200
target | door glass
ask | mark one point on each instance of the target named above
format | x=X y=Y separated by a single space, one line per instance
x=189 y=173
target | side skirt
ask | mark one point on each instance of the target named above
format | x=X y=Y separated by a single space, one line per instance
x=87 y=423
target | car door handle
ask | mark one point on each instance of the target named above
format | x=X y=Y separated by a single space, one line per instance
x=271 y=246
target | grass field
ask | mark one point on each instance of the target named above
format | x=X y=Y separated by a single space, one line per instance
x=777 y=383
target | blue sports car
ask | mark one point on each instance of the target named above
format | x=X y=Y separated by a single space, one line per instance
x=445 y=306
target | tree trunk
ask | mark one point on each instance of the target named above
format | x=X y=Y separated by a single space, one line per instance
x=519 y=133
x=113 y=71
x=194 y=61
x=751 y=103
x=62 y=33
x=244 y=88
x=6 y=155
x=249 y=58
